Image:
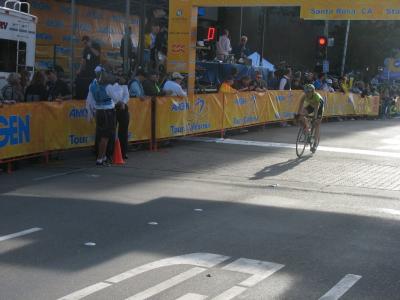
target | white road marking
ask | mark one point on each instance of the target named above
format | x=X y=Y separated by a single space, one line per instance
x=59 y=174
x=86 y=291
x=293 y=146
x=198 y=210
x=204 y=260
x=18 y=234
x=153 y=223
x=341 y=287
x=167 y=284
x=231 y=293
x=259 y=269
x=192 y=297
x=389 y=211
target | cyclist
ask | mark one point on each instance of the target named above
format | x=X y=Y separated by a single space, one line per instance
x=311 y=103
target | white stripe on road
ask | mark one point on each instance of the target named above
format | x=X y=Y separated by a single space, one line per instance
x=259 y=269
x=167 y=284
x=59 y=174
x=205 y=260
x=231 y=293
x=18 y=234
x=293 y=146
x=341 y=287
x=86 y=291
x=192 y=297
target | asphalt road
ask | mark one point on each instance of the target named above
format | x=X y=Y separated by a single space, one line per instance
x=240 y=218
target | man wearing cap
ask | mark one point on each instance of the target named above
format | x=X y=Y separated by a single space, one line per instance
x=327 y=86
x=173 y=87
x=100 y=104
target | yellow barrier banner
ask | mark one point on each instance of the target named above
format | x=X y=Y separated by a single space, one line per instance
x=244 y=109
x=283 y=104
x=178 y=116
x=21 y=130
x=30 y=128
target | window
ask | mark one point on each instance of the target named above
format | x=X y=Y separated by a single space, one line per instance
x=8 y=55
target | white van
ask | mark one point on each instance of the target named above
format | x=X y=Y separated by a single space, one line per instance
x=17 y=39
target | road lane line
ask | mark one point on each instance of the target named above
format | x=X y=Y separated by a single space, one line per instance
x=86 y=291
x=205 y=260
x=341 y=287
x=59 y=174
x=192 y=297
x=293 y=146
x=18 y=234
x=231 y=293
x=259 y=269
x=167 y=284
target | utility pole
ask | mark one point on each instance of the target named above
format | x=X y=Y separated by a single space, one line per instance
x=127 y=39
x=346 y=41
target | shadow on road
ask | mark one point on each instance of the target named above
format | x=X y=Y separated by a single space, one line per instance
x=279 y=168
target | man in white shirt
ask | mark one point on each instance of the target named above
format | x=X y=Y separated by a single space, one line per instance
x=285 y=83
x=224 y=47
x=173 y=87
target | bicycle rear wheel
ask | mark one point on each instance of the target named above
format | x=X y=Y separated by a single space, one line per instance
x=302 y=142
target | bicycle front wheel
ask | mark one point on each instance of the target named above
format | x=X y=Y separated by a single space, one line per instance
x=301 y=143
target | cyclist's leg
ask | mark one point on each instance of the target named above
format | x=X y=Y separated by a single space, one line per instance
x=318 y=120
x=306 y=111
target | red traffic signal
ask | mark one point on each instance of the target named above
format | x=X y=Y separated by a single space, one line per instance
x=322 y=41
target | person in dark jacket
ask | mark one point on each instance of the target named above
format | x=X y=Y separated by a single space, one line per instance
x=37 y=90
x=151 y=85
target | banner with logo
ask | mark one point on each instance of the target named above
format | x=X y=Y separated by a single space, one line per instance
x=54 y=28
x=34 y=128
x=177 y=116
x=21 y=130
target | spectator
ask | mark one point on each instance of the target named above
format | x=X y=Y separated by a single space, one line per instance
x=131 y=55
x=25 y=79
x=308 y=78
x=227 y=86
x=37 y=90
x=136 y=84
x=273 y=81
x=120 y=96
x=151 y=86
x=297 y=85
x=90 y=59
x=336 y=85
x=173 y=87
x=319 y=82
x=244 y=84
x=344 y=84
x=57 y=88
x=12 y=91
x=100 y=104
x=224 y=47
x=285 y=83
x=241 y=50
x=259 y=84
x=327 y=86
x=155 y=30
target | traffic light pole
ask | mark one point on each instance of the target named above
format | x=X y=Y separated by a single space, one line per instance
x=346 y=41
x=326 y=34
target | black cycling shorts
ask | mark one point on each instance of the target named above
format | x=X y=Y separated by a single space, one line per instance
x=105 y=123
x=310 y=110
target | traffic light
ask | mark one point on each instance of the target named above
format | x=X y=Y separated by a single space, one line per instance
x=322 y=44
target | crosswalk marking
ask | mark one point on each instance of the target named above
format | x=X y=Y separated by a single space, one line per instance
x=205 y=260
x=341 y=287
x=231 y=293
x=191 y=296
x=259 y=269
x=167 y=284
x=86 y=291
x=19 y=234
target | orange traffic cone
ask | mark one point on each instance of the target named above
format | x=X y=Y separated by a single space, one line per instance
x=117 y=157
